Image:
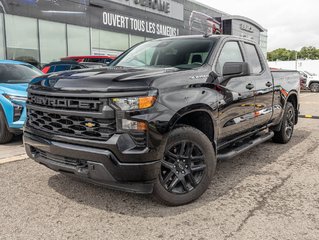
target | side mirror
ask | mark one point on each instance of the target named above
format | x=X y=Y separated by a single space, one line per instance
x=236 y=69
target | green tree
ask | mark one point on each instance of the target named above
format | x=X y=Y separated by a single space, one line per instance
x=309 y=53
x=283 y=54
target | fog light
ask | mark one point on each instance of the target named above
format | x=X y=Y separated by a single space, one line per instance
x=17 y=112
x=133 y=125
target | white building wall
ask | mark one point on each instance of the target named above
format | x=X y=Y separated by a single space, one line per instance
x=311 y=66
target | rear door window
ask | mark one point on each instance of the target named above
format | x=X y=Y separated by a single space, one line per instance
x=253 y=59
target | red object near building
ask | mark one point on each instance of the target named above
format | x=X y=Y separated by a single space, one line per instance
x=98 y=59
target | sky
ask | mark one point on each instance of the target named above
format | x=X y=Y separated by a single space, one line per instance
x=290 y=24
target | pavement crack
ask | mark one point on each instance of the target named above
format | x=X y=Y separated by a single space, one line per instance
x=313 y=147
x=259 y=205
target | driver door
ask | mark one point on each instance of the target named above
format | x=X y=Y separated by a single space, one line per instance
x=237 y=105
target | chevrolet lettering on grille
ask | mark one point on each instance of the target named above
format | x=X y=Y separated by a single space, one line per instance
x=65 y=103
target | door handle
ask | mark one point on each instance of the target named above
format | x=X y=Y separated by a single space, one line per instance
x=268 y=84
x=250 y=86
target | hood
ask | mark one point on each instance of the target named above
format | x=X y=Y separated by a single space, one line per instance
x=14 y=89
x=109 y=79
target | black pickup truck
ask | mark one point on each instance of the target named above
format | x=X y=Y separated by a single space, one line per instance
x=158 y=119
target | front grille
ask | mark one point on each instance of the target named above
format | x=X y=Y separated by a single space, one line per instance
x=66 y=103
x=73 y=126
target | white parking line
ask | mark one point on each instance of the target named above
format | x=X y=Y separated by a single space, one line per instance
x=13 y=159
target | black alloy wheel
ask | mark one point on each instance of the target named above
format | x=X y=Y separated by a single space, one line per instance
x=187 y=167
x=182 y=168
x=284 y=134
x=290 y=122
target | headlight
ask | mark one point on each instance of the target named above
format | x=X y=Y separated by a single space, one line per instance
x=135 y=103
x=15 y=98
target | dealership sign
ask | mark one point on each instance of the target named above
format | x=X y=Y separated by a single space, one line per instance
x=246 y=27
x=160 y=5
x=138 y=25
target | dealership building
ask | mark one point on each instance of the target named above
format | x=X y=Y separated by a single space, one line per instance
x=46 y=30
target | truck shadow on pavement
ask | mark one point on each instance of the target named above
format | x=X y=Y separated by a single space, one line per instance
x=229 y=174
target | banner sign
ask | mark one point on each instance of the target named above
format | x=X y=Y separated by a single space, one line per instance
x=138 y=25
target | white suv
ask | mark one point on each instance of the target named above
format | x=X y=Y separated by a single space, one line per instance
x=312 y=81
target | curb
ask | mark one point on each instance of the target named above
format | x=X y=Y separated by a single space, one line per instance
x=309 y=116
x=13 y=159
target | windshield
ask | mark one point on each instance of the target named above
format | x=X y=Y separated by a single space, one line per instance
x=179 y=53
x=15 y=73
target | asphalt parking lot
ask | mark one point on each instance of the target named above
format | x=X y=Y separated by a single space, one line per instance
x=270 y=192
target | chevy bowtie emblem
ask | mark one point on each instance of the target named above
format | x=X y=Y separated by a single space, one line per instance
x=90 y=125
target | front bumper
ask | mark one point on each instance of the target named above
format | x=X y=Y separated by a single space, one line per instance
x=95 y=165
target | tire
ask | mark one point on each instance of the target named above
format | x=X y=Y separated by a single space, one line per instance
x=287 y=125
x=314 y=87
x=188 y=165
x=5 y=135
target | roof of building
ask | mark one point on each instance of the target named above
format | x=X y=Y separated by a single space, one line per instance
x=229 y=16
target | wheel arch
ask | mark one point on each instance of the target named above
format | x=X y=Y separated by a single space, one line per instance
x=293 y=98
x=4 y=114
x=313 y=81
x=200 y=117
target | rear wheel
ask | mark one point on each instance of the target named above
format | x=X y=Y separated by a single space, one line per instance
x=187 y=167
x=287 y=126
x=5 y=135
x=314 y=87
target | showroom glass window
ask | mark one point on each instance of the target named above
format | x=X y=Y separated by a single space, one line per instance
x=253 y=59
x=22 y=38
x=78 y=40
x=52 y=41
x=136 y=39
x=2 y=46
x=109 y=40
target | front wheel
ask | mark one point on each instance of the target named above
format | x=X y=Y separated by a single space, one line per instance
x=287 y=125
x=5 y=135
x=187 y=167
x=314 y=87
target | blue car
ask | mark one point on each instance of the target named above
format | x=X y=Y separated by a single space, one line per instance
x=14 y=79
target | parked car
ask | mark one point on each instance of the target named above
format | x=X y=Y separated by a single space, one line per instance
x=70 y=65
x=62 y=66
x=303 y=81
x=14 y=79
x=97 y=59
x=312 y=82
x=160 y=116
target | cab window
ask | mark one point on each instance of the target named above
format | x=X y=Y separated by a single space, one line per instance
x=253 y=59
x=230 y=53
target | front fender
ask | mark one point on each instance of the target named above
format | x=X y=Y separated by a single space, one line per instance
x=171 y=106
